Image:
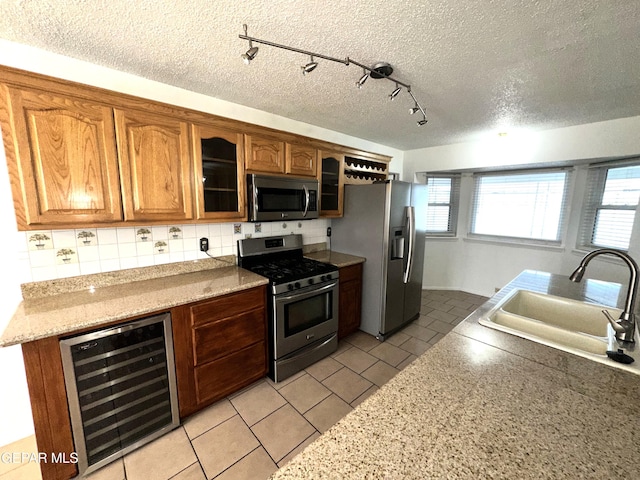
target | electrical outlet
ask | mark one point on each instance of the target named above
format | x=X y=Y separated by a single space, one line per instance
x=328 y=231
x=204 y=244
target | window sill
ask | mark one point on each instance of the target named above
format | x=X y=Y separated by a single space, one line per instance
x=516 y=244
x=445 y=238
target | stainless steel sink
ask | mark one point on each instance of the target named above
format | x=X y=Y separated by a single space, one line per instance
x=570 y=325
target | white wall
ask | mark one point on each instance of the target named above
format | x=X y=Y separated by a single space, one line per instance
x=478 y=266
x=612 y=138
x=15 y=411
x=15 y=414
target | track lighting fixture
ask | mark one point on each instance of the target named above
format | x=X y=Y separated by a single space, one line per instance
x=417 y=108
x=309 y=67
x=251 y=53
x=380 y=70
x=363 y=79
x=395 y=93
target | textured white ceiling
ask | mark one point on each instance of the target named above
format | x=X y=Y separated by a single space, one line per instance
x=475 y=65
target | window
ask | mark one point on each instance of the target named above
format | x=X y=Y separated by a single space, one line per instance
x=613 y=193
x=522 y=205
x=443 y=194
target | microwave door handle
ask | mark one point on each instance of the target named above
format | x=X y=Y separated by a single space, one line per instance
x=306 y=200
x=255 y=199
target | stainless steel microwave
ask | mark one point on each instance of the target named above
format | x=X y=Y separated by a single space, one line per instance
x=281 y=198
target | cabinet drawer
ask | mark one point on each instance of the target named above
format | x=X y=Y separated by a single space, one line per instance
x=227 y=306
x=352 y=272
x=219 y=338
x=221 y=377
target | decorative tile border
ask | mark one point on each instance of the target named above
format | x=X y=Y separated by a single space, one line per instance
x=143 y=234
x=175 y=232
x=87 y=237
x=40 y=240
x=66 y=256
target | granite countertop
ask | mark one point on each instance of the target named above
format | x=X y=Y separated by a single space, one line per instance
x=60 y=306
x=335 y=258
x=73 y=304
x=485 y=404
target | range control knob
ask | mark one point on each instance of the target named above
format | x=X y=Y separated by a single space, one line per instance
x=297 y=285
x=311 y=281
x=329 y=277
x=289 y=287
x=323 y=278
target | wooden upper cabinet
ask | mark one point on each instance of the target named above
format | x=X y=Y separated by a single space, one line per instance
x=331 y=179
x=62 y=159
x=264 y=154
x=155 y=166
x=218 y=160
x=301 y=160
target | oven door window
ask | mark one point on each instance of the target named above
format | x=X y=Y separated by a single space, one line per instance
x=280 y=200
x=307 y=313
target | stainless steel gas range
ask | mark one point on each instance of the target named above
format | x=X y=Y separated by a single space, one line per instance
x=303 y=302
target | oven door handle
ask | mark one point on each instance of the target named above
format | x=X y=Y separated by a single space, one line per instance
x=308 y=294
x=306 y=200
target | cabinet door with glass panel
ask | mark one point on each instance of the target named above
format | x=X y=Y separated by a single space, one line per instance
x=219 y=170
x=331 y=183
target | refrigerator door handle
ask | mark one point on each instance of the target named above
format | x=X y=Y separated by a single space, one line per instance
x=411 y=219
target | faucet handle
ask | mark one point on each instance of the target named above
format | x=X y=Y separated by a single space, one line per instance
x=616 y=326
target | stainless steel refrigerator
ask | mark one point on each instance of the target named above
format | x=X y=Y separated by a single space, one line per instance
x=385 y=223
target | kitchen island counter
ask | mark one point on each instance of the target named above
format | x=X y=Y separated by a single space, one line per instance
x=485 y=404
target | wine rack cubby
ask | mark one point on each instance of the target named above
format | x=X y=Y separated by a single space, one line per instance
x=358 y=171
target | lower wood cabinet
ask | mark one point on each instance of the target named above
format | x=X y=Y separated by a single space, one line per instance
x=49 y=406
x=350 y=299
x=220 y=347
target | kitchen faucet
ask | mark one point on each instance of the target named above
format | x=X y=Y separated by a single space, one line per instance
x=625 y=326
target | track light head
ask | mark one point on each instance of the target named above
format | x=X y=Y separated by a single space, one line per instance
x=395 y=93
x=250 y=54
x=413 y=110
x=309 y=67
x=363 y=79
x=422 y=122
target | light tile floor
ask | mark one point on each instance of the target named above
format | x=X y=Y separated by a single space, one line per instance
x=252 y=433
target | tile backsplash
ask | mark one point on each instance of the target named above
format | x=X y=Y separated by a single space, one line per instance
x=51 y=254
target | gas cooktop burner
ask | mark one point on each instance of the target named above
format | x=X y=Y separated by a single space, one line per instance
x=290 y=269
x=280 y=260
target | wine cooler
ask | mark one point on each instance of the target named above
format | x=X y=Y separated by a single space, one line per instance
x=121 y=388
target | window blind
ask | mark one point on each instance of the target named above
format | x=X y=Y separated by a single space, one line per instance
x=611 y=203
x=526 y=205
x=443 y=193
